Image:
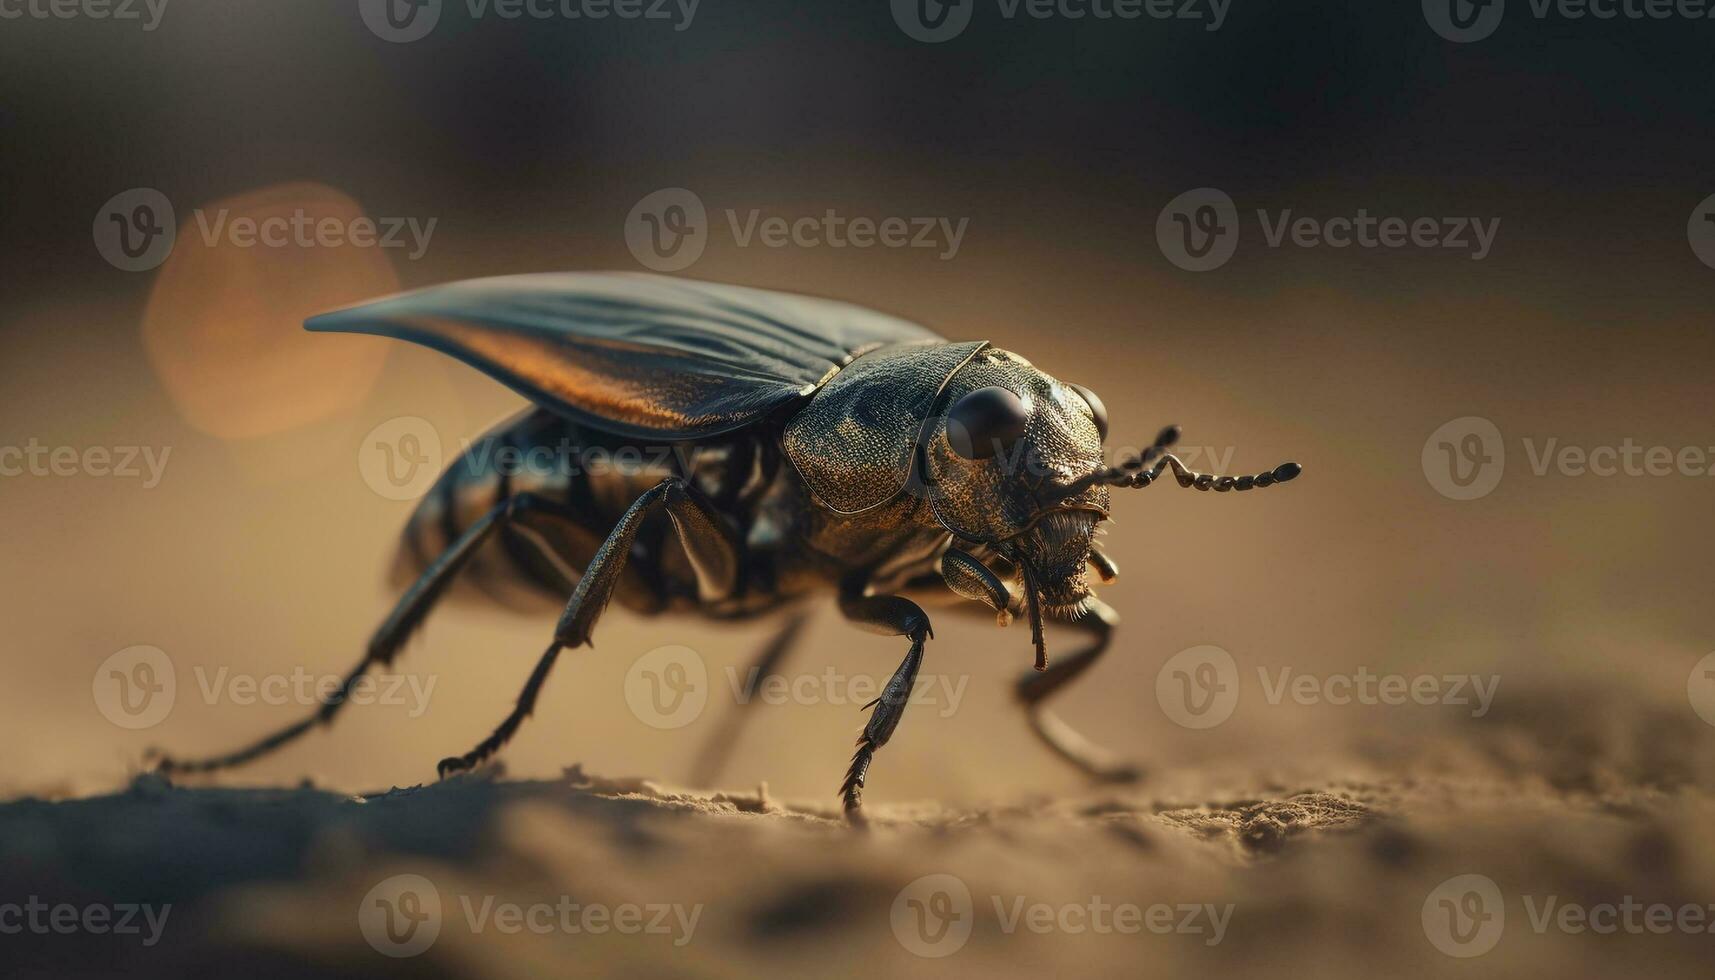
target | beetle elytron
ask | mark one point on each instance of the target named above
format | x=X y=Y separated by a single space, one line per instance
x=831 y=448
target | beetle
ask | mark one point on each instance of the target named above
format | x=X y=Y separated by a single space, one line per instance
x=816 y=447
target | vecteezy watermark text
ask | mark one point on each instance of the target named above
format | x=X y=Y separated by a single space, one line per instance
x=1464 y=21
x=1466 y=916
x=1200 y=687
x=42 y=918
x=404 y=21
x=1199 y=230
x=403 y=916
x=668 y=687
x=147 y=463
x=933 y=917
x=135 y=230
x=943 y=692
x=137 y=687
x=934 y=21
x=1464 y=458
x=148 y=13
x=668 y=229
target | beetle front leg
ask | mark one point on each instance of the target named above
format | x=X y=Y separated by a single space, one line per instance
x=890 y=616
x=1035 y=687
x=713 y=556
x=973 y=580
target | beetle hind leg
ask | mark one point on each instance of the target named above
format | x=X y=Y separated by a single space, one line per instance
x=408 y=614
x=1034 y=688
x=718 y=746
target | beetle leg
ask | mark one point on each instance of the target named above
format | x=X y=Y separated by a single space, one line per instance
x=890 y=616
x=410 y=611
x=973 y=580
x=718 y=747
x=1035 y=687
x=713 y=556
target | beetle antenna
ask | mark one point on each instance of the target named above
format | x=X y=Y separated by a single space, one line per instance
x=1137 y=476
x=1118 y=476
x=1137 y=472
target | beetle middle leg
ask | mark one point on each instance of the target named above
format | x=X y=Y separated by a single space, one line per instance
x=713 y=557
x=890 y=616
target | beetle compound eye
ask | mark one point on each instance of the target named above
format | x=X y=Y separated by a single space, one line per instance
x=986 y=421
x=1097 y=409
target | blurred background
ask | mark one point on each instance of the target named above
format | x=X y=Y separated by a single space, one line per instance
x=1059 y=145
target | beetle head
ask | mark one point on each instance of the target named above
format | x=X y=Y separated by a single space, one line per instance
x=1009 y=439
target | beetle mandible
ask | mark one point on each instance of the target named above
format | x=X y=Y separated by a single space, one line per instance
x=816 y=447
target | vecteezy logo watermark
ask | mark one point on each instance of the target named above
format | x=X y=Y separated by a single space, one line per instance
x=135 y=231
x=933 y=916
x=400 y=21
x=400 y=458
x=403 y=916
x=668 y=229
x=1199 y=688
x=404 y=21
x=1464 y=916
x=1199 y=231
x=1700 y=231
x=33 y=915
x=135 y=688
x=1464 y=21
x=1700 y=688
x=146 y=12
x=934 y=21
x=147 y=463
x=668 y=687
x=1463 y=459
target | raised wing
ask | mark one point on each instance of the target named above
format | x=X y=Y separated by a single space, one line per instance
x=633 y=353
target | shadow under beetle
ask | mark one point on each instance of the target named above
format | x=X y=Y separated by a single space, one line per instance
x=782 y=446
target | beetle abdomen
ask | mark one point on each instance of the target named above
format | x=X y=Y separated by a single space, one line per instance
x=588 y=479
x=514 y=568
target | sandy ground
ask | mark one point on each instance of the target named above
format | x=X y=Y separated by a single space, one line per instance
x=1589 y=817
x=1326 y=828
